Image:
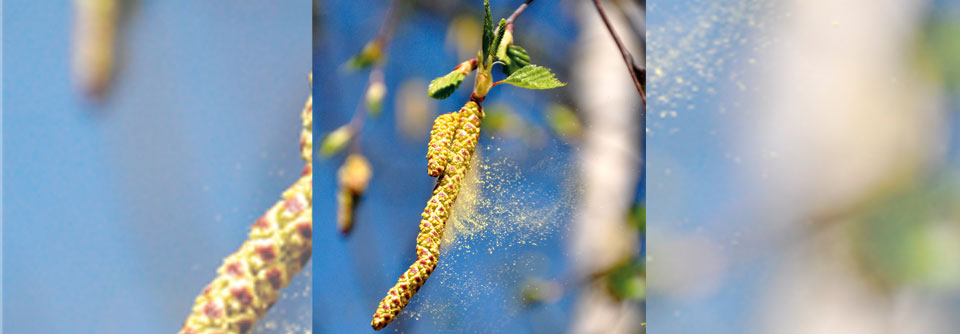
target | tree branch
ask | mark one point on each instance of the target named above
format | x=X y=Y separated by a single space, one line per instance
x=517 y=12
x=632 y=67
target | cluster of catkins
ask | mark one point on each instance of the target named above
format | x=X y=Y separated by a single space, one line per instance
x=452 y=143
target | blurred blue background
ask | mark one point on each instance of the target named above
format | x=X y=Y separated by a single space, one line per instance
x=475 y=291
x=803 y=166
x=116 y=214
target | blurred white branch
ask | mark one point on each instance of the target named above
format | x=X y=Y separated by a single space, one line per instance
x=611 y=168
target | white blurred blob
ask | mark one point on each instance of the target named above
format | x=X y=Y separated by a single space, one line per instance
x=844 y=114
x=611 y=168
x=687 y=267
x=414 y=110
x=818 y=289
x=844 y=119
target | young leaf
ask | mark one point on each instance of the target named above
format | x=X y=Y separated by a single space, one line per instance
x=441 y=88
x=501 y=29
x=514 y=58
x=533 y=77
x=487 y=32
x=505 y=42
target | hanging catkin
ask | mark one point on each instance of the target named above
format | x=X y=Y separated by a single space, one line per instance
x=279 y=245
x=441 y=137
x=353 y=176
x=93 y=49
x=465 y=138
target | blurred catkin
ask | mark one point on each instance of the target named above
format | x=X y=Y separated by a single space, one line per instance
x=354 y=176
x=279 y=245
x=434 y=217
x=93 y=50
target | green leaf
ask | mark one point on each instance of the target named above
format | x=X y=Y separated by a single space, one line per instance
x=487 y=32
x=514 y=58
x=442 y=87
x=505 y=42
x=336 y=141
x=533 y=77
x=501 y=29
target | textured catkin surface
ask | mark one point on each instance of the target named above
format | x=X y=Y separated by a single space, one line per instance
x=279 y=245
x=435 y=215
x=441 y=137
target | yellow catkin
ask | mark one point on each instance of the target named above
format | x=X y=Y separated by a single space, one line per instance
x=279 y=245
x=95 y=32
x=434 y=217
x=441 y=137
x=354 y=176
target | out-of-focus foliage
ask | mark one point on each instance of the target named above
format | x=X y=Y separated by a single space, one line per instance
x=462 y=33
x=564 y=122
x=627 y=282
x=638 y=218
x=503 y=121
x=413 y=109
x=536 y=291
x=940 y=49
x=336 y=141
x=913 y=237
x=372 y=53
x=374 y=97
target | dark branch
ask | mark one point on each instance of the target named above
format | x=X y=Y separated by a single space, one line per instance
x=376 y=73
x=513 y=17
x=632 y=67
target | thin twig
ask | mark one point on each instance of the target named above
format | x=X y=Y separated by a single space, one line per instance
x=376 y=73
x=517 y=12
x=627 y=57
x=386 y=29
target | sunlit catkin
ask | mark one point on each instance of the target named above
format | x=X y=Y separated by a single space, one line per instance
x=95 y=30
x=441 y=137
x=434 y=217
x=279 y=245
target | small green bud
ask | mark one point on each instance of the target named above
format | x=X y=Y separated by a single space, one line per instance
x=371 y=53
x=336 y=141
x=375 y=94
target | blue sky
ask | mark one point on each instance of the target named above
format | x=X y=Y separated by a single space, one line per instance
x=118 y=213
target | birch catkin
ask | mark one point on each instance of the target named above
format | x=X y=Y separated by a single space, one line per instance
x=354 y=176
x=441 y=137
x=95 y=32
x=464 y=141
x=279 y=245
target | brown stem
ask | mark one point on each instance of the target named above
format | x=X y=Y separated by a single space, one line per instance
x=386 y=29
x=517 y=12
x=376 y=74
x=627 y=57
